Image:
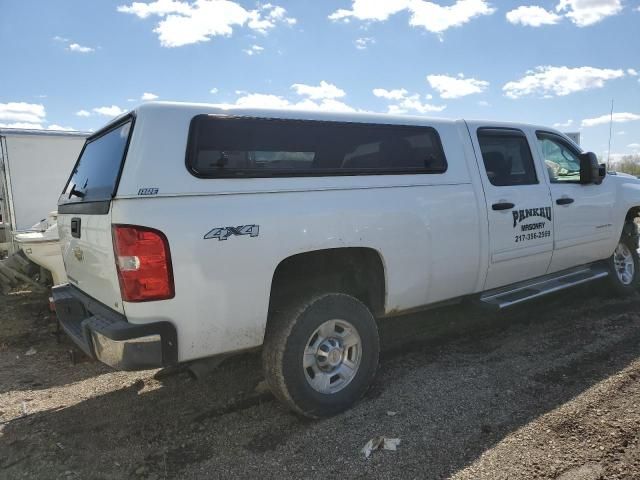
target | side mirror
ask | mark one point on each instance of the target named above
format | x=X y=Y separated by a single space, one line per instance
x=603 y=170
x=590 y=171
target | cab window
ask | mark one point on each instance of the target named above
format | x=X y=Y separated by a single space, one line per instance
x=507 y=157
x=561 y=160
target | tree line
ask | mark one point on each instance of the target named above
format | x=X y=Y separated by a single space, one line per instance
x=627 y=163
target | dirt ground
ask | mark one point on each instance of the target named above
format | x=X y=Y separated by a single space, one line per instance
x=548 y=390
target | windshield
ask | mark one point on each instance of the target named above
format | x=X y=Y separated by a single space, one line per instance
x=95 y=175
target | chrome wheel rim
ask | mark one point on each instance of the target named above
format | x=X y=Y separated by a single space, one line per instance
x=332 y=356
x=623 y=263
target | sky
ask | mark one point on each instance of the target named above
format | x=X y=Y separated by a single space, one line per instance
x=75 y=64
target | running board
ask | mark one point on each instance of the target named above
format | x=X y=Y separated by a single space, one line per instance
x=506 y=297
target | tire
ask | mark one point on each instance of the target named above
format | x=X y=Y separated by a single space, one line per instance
x=340 y=338
x=624 y=267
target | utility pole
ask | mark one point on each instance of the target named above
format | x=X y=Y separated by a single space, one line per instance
x=610 y=132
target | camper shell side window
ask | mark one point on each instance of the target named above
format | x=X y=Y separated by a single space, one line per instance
x=233 y=147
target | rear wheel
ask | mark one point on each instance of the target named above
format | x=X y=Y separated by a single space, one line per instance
x=321 y=354
x=624 y=266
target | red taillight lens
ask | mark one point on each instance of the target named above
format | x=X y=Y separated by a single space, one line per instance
x=143 y=261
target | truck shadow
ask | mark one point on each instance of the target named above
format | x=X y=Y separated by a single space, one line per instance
x=457 y=381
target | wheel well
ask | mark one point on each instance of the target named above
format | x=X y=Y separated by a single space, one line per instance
x=632 y=214
x=632 y=219
x=356 y=271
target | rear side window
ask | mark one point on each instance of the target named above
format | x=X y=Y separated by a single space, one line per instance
x=507 y=157
x=250 y=147
x=96 y=173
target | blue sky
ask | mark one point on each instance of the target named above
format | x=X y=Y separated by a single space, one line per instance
x=76 y=63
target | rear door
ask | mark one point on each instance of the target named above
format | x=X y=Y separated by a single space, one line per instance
x=518 y=206
x=84 y=219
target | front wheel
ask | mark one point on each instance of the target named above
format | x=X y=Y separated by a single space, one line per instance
x=321 y=354
x=624 y=267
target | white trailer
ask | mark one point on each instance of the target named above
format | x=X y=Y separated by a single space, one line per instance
x=575 y=136
x=34 y=167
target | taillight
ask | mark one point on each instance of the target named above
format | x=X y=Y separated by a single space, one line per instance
x=143 y=262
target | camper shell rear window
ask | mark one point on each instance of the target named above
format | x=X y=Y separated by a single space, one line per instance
x=240 y=147
x=95 y=176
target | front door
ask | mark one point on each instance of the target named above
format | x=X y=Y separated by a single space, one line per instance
x=518 y=206
x=583 y=213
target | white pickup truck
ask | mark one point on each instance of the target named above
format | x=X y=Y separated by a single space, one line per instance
x=190 y=231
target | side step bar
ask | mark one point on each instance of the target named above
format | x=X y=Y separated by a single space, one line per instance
x=508 y=296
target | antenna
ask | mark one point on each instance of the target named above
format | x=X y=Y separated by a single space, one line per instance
x=610 y=130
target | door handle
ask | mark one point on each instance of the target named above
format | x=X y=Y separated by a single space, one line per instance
x=75 y=227
x=564 y=201
x=502 y=206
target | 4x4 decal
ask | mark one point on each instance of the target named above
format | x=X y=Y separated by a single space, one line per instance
x=222 y=233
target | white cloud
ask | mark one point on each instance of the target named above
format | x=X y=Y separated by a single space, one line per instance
x=483 y=103
x=54 y=126
x=374 y=10
x=253 y=50
x=437 y=19
x=635 y=146
x=213 y=91
x=604 y=119
x=267 y=17
x=560 y=81
x=76 y=47
x=532 y=16
x=566 y=124
x=621 y=132
x=322 y=91
x=405 y=102
x=428 y=15
x=397 y=94
x=632 y=71
x=112 y=111
x=363 y=42
x=146 y=97
x=587 y=12
x=184 y=23
x=318 y=98
x=260 y=100
x=83 y=113
x=22 y=112
x=25 y=115
x=27 y=125
x=456 y=87
x=73 y=46
x=159 y=7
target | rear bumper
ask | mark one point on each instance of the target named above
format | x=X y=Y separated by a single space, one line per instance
x=107 y=336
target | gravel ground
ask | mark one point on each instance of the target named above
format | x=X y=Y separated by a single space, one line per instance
x=549 y=390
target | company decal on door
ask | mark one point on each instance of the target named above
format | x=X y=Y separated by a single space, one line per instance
x=539 y=227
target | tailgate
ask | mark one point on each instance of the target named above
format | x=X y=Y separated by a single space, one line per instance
x=88 y=256
x=84 y=214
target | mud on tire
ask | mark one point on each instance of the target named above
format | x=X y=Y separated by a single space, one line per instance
x=320 y=353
